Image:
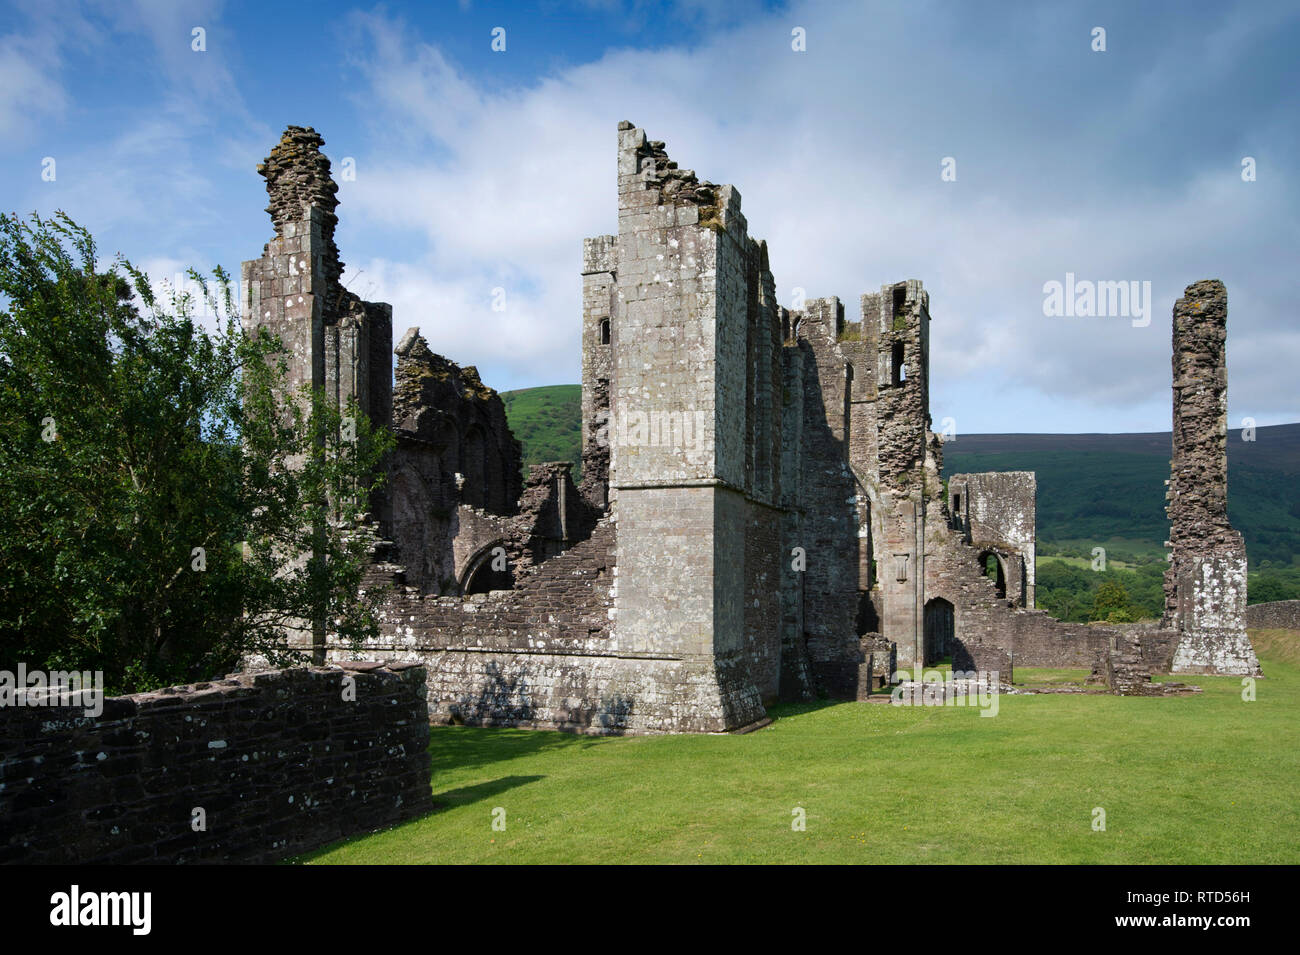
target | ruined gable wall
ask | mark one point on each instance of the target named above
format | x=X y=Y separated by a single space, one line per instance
x=545 y=655
x=996 y=511
x=336 y=341
x=448 y=423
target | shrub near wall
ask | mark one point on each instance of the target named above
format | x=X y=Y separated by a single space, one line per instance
x=253 y=768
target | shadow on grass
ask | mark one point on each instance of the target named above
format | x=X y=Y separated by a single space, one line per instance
x=470 y=747
x=452 y=798
x=780 y=711
x=471 y=794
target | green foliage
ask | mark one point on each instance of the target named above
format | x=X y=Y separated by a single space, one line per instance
x=548 y=423
x=131 y=438
x=1271 y=583
x=1115 y=595
x=1109 y=597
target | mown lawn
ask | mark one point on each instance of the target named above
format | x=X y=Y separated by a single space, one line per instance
x=1197 y=779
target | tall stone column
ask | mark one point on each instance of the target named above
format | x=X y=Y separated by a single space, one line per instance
x=1205 y=584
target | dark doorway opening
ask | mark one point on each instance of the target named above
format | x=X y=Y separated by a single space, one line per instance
x=940 y=630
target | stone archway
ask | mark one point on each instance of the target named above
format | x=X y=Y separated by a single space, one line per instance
x=993 y=566
x=940 y=630
x=483 y=573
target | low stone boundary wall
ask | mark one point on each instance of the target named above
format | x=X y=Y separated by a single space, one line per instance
x=253 y=768
x=1278 y=615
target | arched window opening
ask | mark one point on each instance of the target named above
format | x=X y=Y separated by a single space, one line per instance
x=897 y=373
x=991 y=565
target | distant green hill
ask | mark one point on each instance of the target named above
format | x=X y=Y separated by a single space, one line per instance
x=1093 y=489
x=1108 y=489
x=548 y=423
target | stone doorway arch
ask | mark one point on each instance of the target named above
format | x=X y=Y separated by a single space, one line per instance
x=940 y=630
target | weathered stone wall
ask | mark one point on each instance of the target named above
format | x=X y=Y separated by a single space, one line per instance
x=553 y=515
x=456 y=469
x=902 y=382
x=280 y=762
x=796 y=673
x=837 y=422
x=996 y=512
x=545 y=655
x=1280 y=615
x=1205 y=584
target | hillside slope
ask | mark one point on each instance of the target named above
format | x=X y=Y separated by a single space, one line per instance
x=548 y=423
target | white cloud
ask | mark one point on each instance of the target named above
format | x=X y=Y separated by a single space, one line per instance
x=1066 y=162
x=31 y=86
x=837 y=155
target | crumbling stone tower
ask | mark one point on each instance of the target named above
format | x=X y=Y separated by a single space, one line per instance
x=336 y=342
x=694 y=468
x=909 y=460
x=1205 y=584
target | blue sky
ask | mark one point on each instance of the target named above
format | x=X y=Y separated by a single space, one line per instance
x=477 y=169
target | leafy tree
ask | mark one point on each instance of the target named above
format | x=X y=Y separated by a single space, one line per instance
x=1111 y=602
x=1274 y=583
x=167 y=505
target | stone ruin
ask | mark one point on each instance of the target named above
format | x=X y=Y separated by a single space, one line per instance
x=760 y=514
x=1205 y=584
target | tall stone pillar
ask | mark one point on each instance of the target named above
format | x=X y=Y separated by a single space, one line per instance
x=336 y=341
x=1205 y=584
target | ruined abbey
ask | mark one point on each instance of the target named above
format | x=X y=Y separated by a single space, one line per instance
x=760 y=514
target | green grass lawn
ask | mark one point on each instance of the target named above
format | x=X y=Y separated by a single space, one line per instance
x=1197 y=779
